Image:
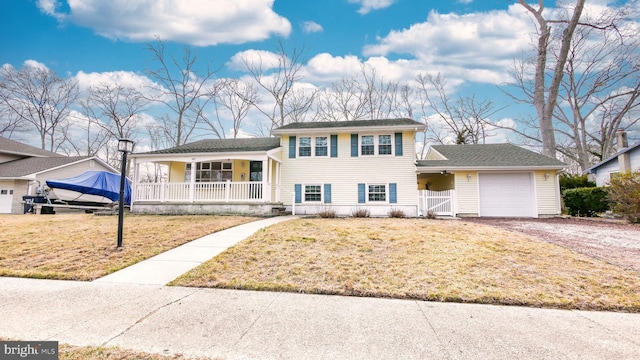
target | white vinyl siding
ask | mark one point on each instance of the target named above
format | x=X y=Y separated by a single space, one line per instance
x=345 y=172
x=547 y=192
x=466 y=192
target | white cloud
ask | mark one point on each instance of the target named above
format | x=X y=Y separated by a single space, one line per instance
x=479 y=46
x=123 y=78
x=35 y=64
x=195 y=22
x=465 y=1
x=367 y=6
x=259 y=58
x=311 y=27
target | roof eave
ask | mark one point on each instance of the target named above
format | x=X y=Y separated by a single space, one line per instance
x=488 y=168
x=221 y=154
x=349 y=129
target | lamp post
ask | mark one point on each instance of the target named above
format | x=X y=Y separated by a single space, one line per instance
x=124 y=146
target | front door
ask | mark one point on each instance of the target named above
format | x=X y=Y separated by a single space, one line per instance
x=255 y=175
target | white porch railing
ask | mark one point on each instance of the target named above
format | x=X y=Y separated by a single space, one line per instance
x=201 y=192
x=436 y=202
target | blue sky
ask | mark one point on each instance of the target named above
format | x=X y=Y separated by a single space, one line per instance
x=472 y=43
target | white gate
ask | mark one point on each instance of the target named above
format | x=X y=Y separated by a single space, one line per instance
x=436 y=202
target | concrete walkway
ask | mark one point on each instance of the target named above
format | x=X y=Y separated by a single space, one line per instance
x=231 y=324
x=163 y=268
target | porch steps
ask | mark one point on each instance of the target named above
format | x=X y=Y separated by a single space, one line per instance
x=280 y=211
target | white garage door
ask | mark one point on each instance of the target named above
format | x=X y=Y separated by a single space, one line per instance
x=506 y=195
x=6 y=199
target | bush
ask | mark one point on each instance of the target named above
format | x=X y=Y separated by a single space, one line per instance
x=624 y=195
x=327 y=213
x=396 y=213
x=570 y=181
x=360 y=213
x=585 y=201
x=430 y=215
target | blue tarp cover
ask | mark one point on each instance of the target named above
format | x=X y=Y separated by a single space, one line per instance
x=100 y=183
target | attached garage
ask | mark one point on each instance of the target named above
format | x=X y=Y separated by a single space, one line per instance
x=506 y=195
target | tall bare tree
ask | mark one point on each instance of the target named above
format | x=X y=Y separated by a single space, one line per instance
x=234 y=98
x=463 y=118
x=185 y=91
x=545 y=96
x=279 y=81
x=39 y=97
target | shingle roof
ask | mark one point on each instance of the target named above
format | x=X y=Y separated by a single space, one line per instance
x=222 y=145
x=349 y=124
x=488 y=155
x=15 y=147
x=23 y=167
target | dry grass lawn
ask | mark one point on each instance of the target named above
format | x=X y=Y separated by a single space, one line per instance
x=418 y=259
x=83 y=246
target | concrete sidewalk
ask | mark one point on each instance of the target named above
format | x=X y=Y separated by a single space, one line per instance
x=231 y=324
x=163 y=268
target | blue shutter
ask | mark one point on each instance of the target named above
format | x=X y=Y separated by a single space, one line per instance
x=361 y=194
x=393 y=193
x=354 y=145
x=298 y=191
x=398 y=144
x=334 y=145
x=327 y=193
x=292 y=147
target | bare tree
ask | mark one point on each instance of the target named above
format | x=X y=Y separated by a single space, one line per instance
x=234 y=98
x=599 y=92
x=39 y=97
x=464 y=118
x=184 y=91
x=279 y=81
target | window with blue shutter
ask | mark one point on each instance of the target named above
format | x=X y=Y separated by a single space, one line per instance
x=292 y=147
x=393 y=193
x=334 y=145
x=398 y=144
x=327 y=193
x=361 y=193
x=354 y=145
x=298 y=192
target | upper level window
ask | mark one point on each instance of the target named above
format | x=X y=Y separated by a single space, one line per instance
x=321 y=146
x=367 y=147
x=384 y=145
x=304 y=146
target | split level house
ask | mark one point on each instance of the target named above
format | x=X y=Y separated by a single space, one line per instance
x=25 y=168
x=307 y=168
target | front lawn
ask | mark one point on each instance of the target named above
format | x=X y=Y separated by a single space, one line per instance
x=418 y=259
x=83 y=246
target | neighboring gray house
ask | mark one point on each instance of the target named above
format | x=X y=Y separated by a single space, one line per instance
x=626 y=159
x=23 y=168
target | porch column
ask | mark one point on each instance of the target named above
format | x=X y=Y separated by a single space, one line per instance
x=266 y=189
x=277 y=181
x=135 y=166
x=192 y=182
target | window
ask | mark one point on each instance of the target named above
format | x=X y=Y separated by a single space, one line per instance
x=384 y=145
x=377 y=193
x=321 y=146
x=210 y=171
x=367 y=147
x=304 y=147
x=313 y=193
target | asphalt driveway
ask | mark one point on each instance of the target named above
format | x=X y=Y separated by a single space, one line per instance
x=613 y=241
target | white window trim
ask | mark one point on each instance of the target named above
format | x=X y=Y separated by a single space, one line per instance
x=386 y=193
x=376 y=144
x=313 y=147
x=187 y=172
x=304 y=192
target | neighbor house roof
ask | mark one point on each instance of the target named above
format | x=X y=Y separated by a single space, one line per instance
x=478 y=156
x=348 y=125
x=9 y=146
x=29 y=166
x=613 y=157
x=222 y=145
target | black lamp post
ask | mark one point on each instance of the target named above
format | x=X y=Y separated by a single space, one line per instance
x=124 y=146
